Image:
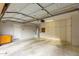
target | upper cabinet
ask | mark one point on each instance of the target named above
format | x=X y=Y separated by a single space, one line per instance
x=1 y=7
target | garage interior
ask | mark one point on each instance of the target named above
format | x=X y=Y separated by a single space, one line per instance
x=39 y=29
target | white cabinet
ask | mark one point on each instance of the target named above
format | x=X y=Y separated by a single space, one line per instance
x=65 y=27
x=75 y=29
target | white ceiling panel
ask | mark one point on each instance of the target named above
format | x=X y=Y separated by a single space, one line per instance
x=57 y=6
x=63 y=8
x=40 y=14
x=17 y=6
x=23 y=17
x=46 y=4
x=32 y=8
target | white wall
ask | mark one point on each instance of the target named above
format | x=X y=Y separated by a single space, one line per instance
x=17 y=30
x=7 y=28
x=28 y=31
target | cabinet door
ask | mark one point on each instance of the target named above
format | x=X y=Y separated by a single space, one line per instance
x=57 y=29
x=62 y=24
x=75 y=29
x=68 y=30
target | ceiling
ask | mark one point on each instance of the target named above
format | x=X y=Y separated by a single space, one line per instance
x=25 y=12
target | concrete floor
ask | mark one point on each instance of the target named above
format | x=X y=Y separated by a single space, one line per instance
x=37 y=48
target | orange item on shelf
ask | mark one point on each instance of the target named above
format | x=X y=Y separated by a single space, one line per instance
x=5 y=39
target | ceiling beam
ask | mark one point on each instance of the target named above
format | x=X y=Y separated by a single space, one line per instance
x=44 y=9
x=31 y=21
x=23 y=14
x=24 y=21
x=17 y=21
x=3 y=10
x=10 y=21
x=13 y=18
